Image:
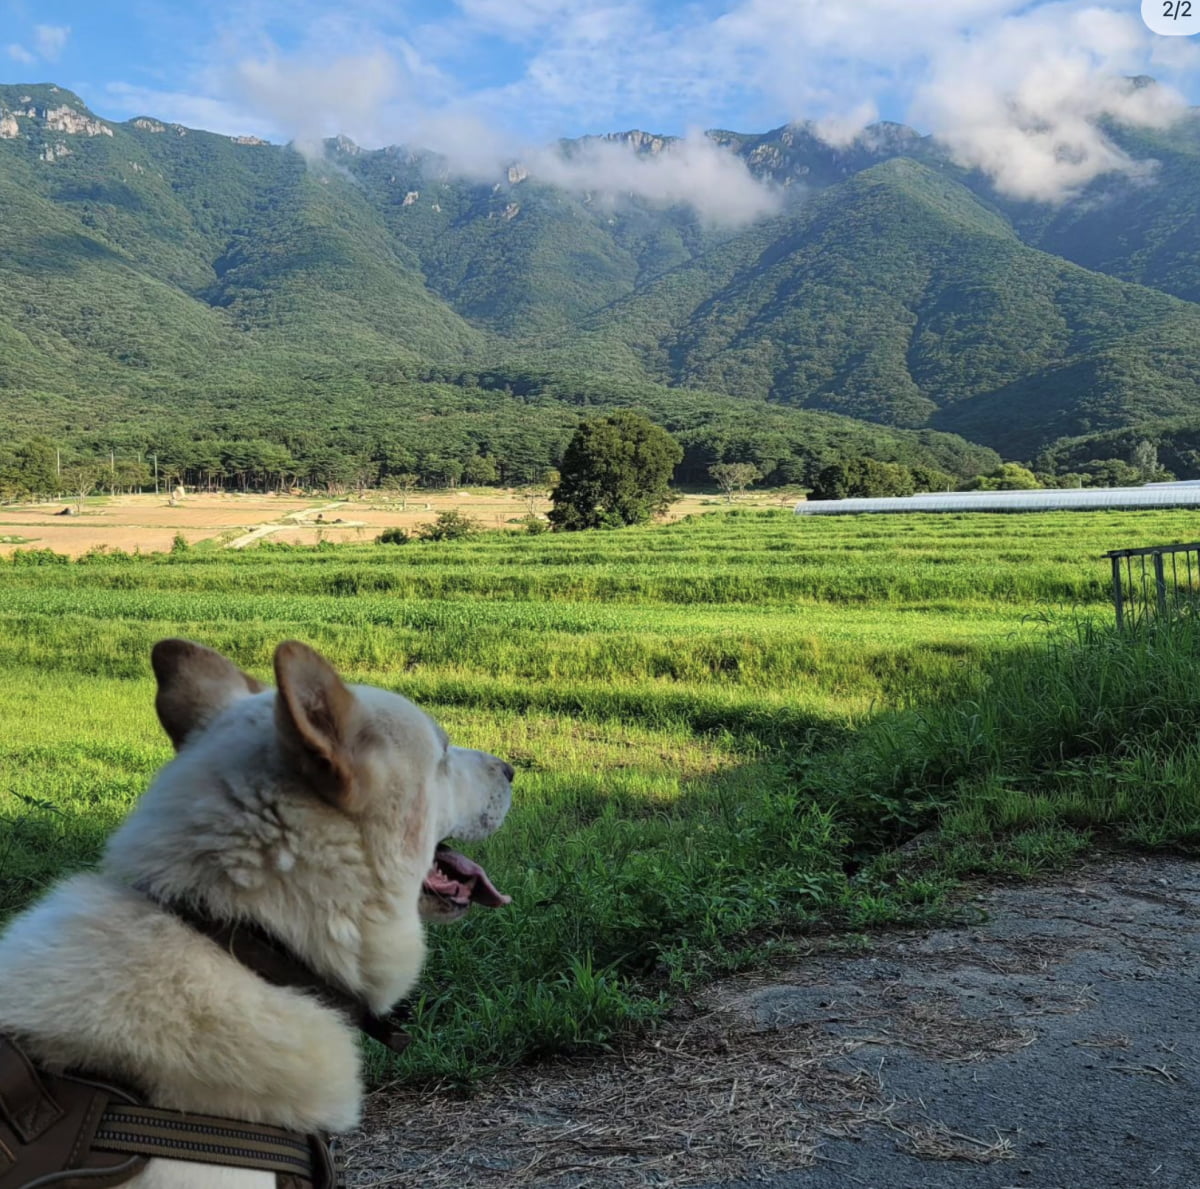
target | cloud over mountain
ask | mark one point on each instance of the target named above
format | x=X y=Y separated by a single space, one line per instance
x=1022 y=91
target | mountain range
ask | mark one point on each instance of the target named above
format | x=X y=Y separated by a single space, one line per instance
x=160 y=280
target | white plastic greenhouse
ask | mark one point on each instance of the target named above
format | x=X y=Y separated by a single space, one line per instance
x=1165 y=495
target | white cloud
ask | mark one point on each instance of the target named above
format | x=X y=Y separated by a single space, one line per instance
x=1018 y=88
x=1025 y=101
x=308 y=100
x=603 y=67
x=51 y=40
x=689 y=172
x=519 y=18
x=470 y=146
x=844 y=128
x=386 y=98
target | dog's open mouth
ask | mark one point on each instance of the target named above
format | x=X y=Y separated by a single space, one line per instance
x=461 y=882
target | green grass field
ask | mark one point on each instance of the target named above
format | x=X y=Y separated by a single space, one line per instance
x=722 y=729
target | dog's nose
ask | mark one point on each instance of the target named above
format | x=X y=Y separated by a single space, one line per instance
x=508 y=770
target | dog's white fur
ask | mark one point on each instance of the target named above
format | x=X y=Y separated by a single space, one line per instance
x=314 y=811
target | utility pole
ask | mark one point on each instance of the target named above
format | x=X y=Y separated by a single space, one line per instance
x=58 y=462
x=155 y=457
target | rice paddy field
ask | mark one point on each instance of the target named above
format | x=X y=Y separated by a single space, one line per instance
x=724 y=728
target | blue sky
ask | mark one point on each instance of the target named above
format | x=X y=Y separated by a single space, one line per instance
x=539 y=68
x=989 y=76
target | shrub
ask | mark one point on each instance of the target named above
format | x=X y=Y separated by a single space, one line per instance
x=39 y=557
x=449 y=526
x=1008 y=476
x=931 y=479
x=534 y=524
x=392 y=536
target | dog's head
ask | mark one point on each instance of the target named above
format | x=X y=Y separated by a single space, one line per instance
x=318 y=809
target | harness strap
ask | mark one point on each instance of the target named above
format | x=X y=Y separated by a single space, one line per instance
x=151 y=1131
x=69 y=1130
x=24 y=1100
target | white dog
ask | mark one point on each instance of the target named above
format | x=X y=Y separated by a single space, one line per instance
x=313 y=812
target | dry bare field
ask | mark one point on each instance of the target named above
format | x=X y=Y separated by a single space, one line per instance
x=149 y=523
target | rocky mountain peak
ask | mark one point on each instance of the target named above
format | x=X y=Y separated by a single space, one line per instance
x=35 y=110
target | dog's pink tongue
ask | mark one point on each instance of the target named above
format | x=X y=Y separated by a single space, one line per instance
x=470 y=876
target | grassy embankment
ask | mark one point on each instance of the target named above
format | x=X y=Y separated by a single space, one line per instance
x=723 y=729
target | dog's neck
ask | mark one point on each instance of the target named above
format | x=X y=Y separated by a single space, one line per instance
x=263 y=953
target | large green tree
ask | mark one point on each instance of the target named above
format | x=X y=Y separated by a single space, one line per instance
x=34 y=468
x=862 y=477
x=615 y=471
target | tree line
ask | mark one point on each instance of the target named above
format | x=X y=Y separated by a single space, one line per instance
x=37 y=468
x=868 y=478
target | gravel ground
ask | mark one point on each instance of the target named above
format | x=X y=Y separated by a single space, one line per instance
x=1051 y=1043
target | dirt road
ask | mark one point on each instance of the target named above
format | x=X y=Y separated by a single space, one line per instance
x=1053 y=1042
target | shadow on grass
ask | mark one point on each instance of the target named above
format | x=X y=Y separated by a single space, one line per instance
x=623 y=898
x=619 y=897
x=615 y=905
x=1092 y=737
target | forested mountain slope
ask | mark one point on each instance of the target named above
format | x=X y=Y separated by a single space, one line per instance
x=229 y=286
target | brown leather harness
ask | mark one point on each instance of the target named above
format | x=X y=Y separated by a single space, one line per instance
x=74 y=1131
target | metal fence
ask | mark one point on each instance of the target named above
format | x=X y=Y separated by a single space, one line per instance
x=1154 y=580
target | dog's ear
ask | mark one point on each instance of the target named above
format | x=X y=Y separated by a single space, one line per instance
x=315 y=717
x=194 y=685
